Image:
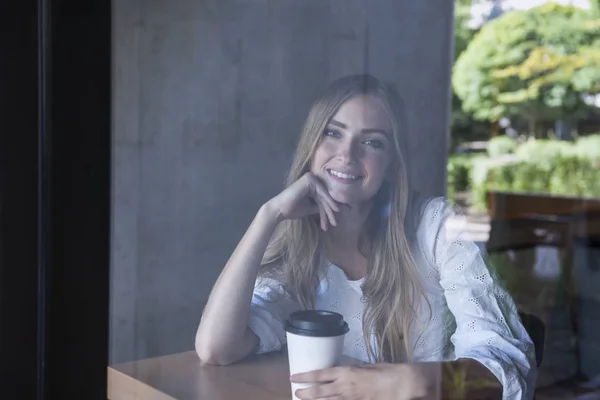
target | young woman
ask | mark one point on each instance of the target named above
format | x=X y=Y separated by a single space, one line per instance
x=346 y=236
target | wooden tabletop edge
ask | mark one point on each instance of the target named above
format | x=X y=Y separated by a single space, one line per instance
x=121 y=386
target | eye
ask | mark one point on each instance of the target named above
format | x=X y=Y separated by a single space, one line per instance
x=377 y=144
x=331 y=133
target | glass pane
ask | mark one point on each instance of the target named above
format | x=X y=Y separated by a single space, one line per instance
x=322 y=132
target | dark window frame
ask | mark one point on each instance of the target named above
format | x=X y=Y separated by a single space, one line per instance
x=55 y=135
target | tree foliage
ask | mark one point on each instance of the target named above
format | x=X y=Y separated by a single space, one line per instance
x=463 y=34
x=534 y=64
x=595 y=6
x=462 y=125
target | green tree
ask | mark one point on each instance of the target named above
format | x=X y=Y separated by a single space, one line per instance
x=595 y=6
x=463 y=127
x=532 y=64
x=462 y=32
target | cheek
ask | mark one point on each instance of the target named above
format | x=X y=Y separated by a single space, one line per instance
x=327 y=147
x=377 y=165
x=316 y=159
x=321 y=155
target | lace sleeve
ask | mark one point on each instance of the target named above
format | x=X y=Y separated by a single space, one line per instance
x=488 y=327
x=270 y=307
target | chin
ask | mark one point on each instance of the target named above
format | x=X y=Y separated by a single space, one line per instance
x=344 y=198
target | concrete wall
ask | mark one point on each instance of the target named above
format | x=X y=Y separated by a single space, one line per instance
x=209 y=97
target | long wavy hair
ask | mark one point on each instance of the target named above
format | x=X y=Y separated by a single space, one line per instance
x=391 y=288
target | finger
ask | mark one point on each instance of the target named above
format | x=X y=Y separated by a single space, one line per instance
x=318 y=189
x=328 y=203
x=322 y=192
x=322 y=215
x=330 y=213
x=320 y=375
x=326 y=391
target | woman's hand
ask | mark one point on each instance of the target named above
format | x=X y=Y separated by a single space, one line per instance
x=373 y=382
x=305 y=197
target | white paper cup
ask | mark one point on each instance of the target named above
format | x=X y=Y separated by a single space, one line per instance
x=315 y=340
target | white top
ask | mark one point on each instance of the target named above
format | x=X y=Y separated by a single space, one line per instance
x=472 y=315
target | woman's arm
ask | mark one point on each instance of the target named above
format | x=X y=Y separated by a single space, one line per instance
x=488 y=327
x=223 y=336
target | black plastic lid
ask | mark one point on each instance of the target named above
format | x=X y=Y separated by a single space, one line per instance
x=316 y=323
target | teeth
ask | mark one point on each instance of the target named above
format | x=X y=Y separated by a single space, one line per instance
x=342 y=175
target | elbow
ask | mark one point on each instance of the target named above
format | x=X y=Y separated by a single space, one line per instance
x=212 y=355
x=209 y=357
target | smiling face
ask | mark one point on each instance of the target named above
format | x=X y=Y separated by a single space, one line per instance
x=355 y=151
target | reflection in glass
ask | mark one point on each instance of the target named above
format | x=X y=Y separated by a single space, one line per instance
x=214 y=102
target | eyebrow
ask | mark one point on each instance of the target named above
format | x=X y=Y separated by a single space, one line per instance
x=366 y=130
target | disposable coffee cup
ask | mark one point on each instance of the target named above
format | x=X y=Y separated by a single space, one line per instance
x=315 y=340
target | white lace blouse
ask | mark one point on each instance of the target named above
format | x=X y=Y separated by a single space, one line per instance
x=472 y=315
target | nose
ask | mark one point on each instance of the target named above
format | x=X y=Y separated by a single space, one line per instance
x=347 y=152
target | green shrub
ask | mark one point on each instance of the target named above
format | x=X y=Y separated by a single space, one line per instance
x=531 y=178
x=567 y=175
x=543 y=151
x=501 y=177
x=542 y=166
x=459 y=167
x=501 y=145
x=575 y=176
x=485 y=175
x=590 y=182
x=589 y=147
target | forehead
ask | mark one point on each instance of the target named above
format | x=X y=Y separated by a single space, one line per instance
x=363 y=111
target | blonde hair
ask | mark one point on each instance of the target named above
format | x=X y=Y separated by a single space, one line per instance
x=391 y=288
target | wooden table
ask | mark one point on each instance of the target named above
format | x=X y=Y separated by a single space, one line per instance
x=182 y=376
